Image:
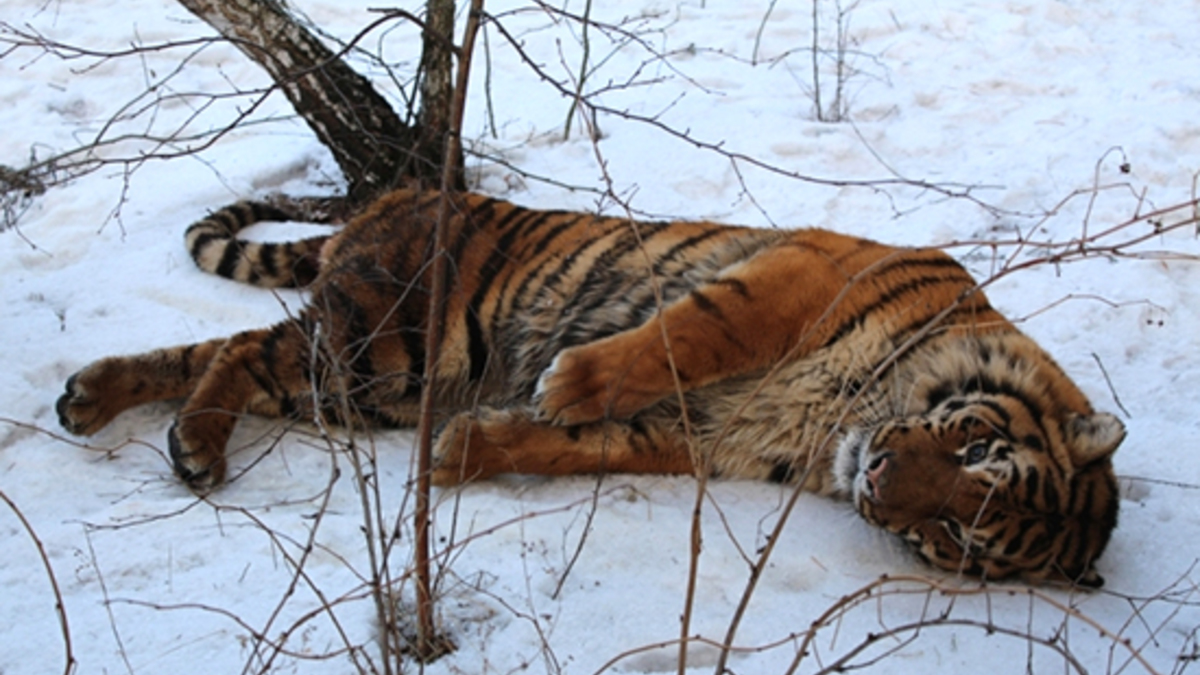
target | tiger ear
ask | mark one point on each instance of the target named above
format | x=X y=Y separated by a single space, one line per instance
x=1093 y=437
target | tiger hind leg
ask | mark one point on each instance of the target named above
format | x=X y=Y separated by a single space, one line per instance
x=487 y=442
x=106 y=388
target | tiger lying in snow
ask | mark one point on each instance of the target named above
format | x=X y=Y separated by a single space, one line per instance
x=575 y=343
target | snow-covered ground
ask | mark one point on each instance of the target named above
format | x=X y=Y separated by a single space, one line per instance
x=1029 y=103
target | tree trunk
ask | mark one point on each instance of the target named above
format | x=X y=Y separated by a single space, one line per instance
x=437 y=93
x=373 y=147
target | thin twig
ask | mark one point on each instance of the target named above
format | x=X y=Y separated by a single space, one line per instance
x=1108 y=380
x=429 y=645
x=60 y=608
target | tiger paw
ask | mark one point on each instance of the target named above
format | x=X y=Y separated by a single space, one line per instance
x=475 y=446
x=198 y=463
x=85 y=408
x=589 y=384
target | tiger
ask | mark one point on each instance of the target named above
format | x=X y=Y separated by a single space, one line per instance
x=578 y=343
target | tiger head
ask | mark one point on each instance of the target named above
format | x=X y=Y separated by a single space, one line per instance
x=993 y=481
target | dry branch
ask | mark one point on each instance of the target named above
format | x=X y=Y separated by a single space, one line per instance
x=429 y=644
x=59 y=608
x=590 y=108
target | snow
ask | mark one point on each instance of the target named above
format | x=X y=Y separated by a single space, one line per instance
x=1029 y=103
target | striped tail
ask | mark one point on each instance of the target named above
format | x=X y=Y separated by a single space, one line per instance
x=214 y=246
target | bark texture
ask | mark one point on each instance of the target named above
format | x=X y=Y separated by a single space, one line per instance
x=373 y=147
x=437 y=92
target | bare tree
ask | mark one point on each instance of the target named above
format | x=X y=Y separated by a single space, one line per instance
x=373 y=147
x=376 y=146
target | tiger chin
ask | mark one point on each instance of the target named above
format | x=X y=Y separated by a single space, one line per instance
x=576 y=343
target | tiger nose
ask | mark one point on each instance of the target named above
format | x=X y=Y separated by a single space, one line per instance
x=875 y=473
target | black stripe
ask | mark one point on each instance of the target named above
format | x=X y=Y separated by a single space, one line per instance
x=554 y=232
x=938 y=394
x=705 y=304
x=568 y=261
x=1051 y=497
x=228 y=220
x=535 y=275
x=1070 y=552
x=269 y=357
x=1041 y=542
x=1088 y=497
x=355 y=331
x=262 y=211
x=684 y=246
x=516 y=215
x=915 y=285
x=989 y=386
x=672 y=284
x=229 y=259
x=1032 y=485
x=477 y=348
x=414 y=345
x=531 y=277
x=262 y=376
x=287 y=407
x=1113 y=502
x=461 y=239
x=919 y=322
x=524 y=228
x=1032 y=408
x=599 y=284
x=266 y=259
x=202 y=241
x=635 y=235
x=485 y=208
x=1015 y=478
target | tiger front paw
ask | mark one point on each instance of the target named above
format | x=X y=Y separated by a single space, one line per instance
x=85 y=408
x=588 y=384
x=199 y=462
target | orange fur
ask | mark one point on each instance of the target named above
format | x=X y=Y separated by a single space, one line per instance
x=577 y=344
